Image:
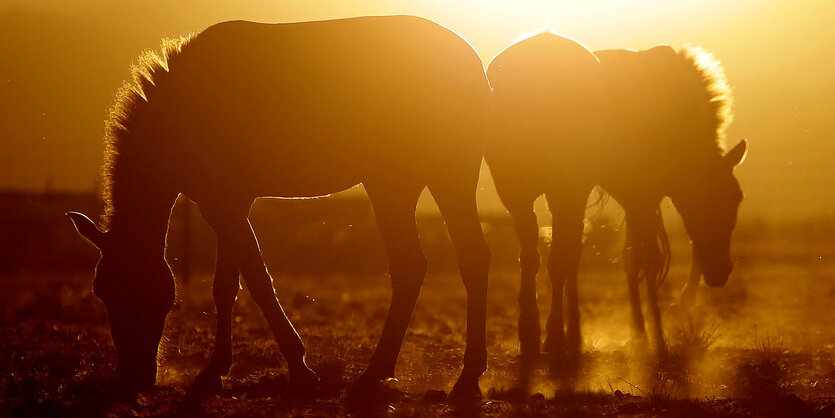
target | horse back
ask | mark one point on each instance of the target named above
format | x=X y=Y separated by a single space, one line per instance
x=347 y=98
x=546 y=93
x=546 y=63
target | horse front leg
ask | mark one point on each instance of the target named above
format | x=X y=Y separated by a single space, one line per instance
x=457 y=203
x=225 y=290
x=568 y=211
x=527 y=229
x=691 y=288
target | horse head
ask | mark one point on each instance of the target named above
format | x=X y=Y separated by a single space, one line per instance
x=708 y=204
x=138 y=292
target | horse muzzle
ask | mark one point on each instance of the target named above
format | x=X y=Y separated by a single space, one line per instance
x=717 y=275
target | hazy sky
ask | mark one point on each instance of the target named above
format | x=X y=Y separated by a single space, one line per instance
x=62 y=61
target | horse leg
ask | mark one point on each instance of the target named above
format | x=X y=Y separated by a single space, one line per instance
x=225 y=289
x=238 y=233
x=527 y=230
x=656 y=327
x=568 y=212
x=631 y=266
x=691 y=288
x=641 y=236
x=457 y=203
x=394 y=210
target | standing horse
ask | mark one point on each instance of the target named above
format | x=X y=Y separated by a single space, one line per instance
x=244 y=110
x=643 y=125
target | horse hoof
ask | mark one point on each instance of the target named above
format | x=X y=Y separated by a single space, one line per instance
x=514 y=395
x=529 y=353
x=205 y=384
x=367 y=388
x=465 y=392
x=554 y=346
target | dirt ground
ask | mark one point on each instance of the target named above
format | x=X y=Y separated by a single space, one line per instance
x=762 y=346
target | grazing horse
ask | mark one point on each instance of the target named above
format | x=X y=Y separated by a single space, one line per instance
x=642 y=125
x=245 y=110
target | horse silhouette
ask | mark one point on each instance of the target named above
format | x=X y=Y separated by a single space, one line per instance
x=245 y=110
x=643 y=125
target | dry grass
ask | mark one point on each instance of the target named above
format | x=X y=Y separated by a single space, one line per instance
x=59 y=360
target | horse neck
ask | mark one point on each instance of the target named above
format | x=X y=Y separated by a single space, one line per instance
x=689 y=164
x=645 y=178
x=144 y=226
x=671 y=162
x=139 y=207
x=141 y=182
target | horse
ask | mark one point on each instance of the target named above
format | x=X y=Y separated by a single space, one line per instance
x=642 y=125
x=245 y=110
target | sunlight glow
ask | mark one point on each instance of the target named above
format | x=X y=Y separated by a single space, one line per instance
x=600 y=16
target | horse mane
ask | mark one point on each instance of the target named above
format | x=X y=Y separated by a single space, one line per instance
x=716 y=98
x=133 y=98
x=663 y=242
x=714 y=87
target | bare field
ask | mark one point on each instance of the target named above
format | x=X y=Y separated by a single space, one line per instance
x=763 y=345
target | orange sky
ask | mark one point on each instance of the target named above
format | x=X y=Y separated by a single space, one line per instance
x=62 y=61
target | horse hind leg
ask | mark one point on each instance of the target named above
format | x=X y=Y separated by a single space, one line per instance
x=235 y=233
x=527 y=230
x=394 y=210
x=457 y=202
x=259 y=282
x=568 y=211
x=643 y=254
x=656 y=326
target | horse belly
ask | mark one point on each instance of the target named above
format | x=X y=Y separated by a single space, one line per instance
x=301 y=174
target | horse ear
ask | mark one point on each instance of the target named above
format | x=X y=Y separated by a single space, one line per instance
x=87 y=229
x=736 y=156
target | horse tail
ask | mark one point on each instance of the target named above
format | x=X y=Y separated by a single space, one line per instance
x=653 y=254
x=663 y=241
x=133 y=100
